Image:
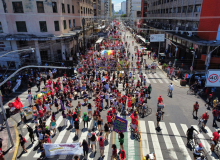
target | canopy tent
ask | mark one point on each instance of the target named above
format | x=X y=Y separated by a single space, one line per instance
x=141 y=38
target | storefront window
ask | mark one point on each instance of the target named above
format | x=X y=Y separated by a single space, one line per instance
x=179 y=40
x=183 y=43
x=174 y=39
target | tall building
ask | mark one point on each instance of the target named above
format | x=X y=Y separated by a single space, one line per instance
x=123 y=7
x=184 y=19
x=52 y=28
x=112 y=9
x=144 y=6
x=128 y=8
x=135 y=12
x=97 y=10
x=107 y=8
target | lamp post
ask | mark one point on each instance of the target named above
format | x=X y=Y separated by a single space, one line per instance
x=84 y=45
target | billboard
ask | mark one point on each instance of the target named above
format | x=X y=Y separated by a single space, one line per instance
x=213 y=78
x=157 y=37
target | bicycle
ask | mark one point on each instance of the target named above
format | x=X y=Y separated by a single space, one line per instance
x=200 y=125
x=170 y=92
x=135 y=132
x=193 y=142
x=203 y=156
x=144 y=110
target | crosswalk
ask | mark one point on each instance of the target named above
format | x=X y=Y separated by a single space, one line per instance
x=168 y=143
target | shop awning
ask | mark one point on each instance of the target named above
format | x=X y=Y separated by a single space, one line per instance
x=99 y=40
x=141 y=38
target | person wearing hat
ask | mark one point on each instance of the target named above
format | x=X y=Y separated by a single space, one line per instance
x=85 y=119
x=215 y=139
x=195 y=108
x=197 y=151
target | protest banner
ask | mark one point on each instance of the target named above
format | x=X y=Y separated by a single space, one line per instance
x=120 y=125
x=52 y=149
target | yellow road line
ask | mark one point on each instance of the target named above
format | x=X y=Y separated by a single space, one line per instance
x=140 y=141
x=17 y=141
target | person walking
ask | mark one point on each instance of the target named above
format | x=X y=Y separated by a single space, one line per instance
x=101 y=144
x=195 y=109
x=93 y=141
x=106 y=129
x=53 y=126
x=64 y=118
x=114 y=152
x=205 y=118
x=99 y=121
x=89 y=109
x=159 y=114
x=121 y=140
x=122 y=155
x=31 y=133
x=85 y=119
x=85 y=146
x=215 y=115
x=22 y=142
x=76 y=125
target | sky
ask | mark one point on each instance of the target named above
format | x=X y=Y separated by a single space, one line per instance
x=117 y=4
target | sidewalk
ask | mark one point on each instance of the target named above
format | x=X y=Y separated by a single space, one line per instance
x=9 y=151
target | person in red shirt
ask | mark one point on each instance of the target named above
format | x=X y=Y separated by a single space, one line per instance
x=122 y=155
x=114 y=152
x=215 y=115
x=215 y=139
x=205 y=118
x=160 y=99
x=195 y=108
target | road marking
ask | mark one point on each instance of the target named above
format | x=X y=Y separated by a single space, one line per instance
x=155 y=141
x=107 y=148
x=164 y=77
x=152 y=78
x=144 y=140
x=131 y=149
x=71 y=135
x=180 y=141
x=168 y=141
x=205 y=144
x=158 y=78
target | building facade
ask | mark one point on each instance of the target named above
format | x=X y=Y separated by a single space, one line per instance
x=123 y=7
x=185 y=25
x=135 y=12
x=144 y=5
x=97 y=10
x=53 y=28
x=113 y=9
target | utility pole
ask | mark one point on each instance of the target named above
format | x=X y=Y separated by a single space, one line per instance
x=84 y=45
x=6 y=122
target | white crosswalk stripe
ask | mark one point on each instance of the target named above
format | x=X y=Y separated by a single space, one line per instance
x=146 y=136
x=164 y=77
x=152 y=78
x=155 y=141
x=180 y=141
x=158 y=78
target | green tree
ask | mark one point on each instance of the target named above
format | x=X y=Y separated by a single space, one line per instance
x=123 y=15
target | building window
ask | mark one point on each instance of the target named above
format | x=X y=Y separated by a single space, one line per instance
x=1 y=30
x=74 y=24
x=44 y=55
x=56 y=26
x=43 y=26
x=174 y=10
x=73 y=9
x=179 y=10
x=21 y=26
x=68 y=8
x=197 y=8
x=84 y=10
x=17 y=7
x=54 y=5
x=70 y=24
x=63 y=8
x=184 y=9
x=64 y=24
x=190 y=9
x=40 y=7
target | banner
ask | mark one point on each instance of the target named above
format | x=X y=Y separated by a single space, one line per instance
x=52 y=149
x=120 y=125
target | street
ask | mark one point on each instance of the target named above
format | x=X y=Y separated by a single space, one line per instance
x=168 y=143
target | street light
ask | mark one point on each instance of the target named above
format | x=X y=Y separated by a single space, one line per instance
x=32 y=49
x=84 y=45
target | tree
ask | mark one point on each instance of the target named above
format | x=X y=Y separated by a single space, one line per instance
x=123 y=15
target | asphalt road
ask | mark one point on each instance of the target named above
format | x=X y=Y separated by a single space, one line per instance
x=168 y=143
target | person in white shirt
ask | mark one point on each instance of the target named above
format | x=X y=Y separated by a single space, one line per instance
x=29 y=97
x=197 y=151
x=170 y=89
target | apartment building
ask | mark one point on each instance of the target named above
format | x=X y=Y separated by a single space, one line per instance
x=53 y=28
x=97 y=10
x=144 y=5
x=187 y=27
x=123 y=7
x=135 y=12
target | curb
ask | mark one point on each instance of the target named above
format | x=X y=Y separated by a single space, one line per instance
x=17 y=140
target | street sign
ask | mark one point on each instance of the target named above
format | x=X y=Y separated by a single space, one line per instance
x=191 y=68
x=157 y=37
x=213 y=78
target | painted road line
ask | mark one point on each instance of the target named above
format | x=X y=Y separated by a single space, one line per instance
x=184 y=127
x=72 y=134
x=107 y=148
x=131 y=148
x=152 y=78
x=147 y=80
x=205 y=144
x=209 y=132
x=155 y=141
x=48 y=121
x=158 y=78
x=168 y=141
x=180 y=141
x=164 y=77
x=84 y=134
x=144 y=139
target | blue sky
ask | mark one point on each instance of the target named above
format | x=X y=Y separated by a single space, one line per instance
x=117 y=4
